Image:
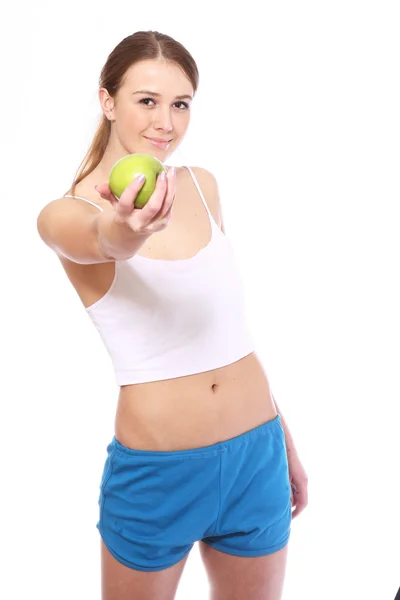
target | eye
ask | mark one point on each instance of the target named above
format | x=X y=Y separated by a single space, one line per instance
x=145 y=100
x=185 y=104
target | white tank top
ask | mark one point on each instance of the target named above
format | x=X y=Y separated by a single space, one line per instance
x=162 y=319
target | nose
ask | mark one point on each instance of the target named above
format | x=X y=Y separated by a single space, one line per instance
x=163 y=119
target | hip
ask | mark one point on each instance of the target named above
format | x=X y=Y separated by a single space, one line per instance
x=234 y=496
x=195 y=411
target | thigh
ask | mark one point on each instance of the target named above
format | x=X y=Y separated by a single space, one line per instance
x=119 y=582
x=244 y=578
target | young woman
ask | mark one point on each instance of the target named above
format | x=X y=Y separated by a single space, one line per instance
x=201 y=452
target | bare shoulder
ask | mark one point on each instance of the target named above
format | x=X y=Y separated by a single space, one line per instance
x=85 y=191
x=207 y=182
x=209 y=186
x=205 y=176
x=64 y=204
x=66 y=226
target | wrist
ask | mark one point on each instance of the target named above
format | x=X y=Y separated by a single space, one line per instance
x=117 y=240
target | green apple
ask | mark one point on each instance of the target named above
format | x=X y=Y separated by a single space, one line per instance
x=125 y=169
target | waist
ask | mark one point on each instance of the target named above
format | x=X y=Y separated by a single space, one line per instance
x=196 y=410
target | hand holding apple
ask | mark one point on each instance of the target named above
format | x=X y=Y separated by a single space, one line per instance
x=127 y=167
x=156 y=212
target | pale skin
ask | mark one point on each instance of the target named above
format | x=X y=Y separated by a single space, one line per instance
x=212 y=406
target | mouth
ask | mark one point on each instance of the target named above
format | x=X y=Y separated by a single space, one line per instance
x=159 y=143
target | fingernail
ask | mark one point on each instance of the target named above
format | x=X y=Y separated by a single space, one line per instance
x=173 y=171
x=163 y=176
x=140 y=177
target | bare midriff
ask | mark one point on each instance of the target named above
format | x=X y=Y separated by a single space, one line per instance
x=196 y=410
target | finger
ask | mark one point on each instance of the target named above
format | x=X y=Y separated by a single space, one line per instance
x=104 y=191
x=298 y=510
x=153 y=206
x=301 y=502
x=168 y=214
x=126 y=204
x=169 y=199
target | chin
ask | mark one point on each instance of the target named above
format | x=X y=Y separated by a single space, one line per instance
x=162 y=155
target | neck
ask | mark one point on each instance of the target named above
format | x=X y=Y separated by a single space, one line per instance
x=114 y=151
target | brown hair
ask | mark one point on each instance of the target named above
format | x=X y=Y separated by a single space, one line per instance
x=141 y=45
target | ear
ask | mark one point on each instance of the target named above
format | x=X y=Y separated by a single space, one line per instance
x=107 y=104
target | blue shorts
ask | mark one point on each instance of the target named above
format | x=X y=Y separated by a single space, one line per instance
x=233 y=495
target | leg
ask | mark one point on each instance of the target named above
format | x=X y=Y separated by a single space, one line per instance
x=119 y=582
x=245 y=555
x=243 y=578
x=145 y=524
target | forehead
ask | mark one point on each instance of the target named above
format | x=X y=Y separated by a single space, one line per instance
x=158 y=76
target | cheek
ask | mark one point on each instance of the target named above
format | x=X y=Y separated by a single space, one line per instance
x=132 y=117
x=182 y=123
x=137 y=120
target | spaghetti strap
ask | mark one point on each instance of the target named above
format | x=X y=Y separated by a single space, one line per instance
x=200 y=192
x=85 y=199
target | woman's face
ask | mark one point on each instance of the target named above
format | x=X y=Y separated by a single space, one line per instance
x=151 y=111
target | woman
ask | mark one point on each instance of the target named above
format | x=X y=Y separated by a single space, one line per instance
x=200 y=451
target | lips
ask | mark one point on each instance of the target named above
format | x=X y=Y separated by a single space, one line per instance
x=162 y=144
x=158 y=140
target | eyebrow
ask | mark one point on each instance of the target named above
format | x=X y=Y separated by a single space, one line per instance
x=158 y=95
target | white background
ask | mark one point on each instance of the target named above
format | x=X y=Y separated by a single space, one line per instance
x=298 y=117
